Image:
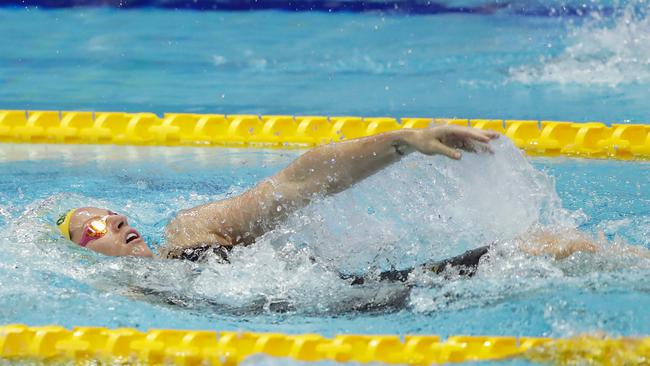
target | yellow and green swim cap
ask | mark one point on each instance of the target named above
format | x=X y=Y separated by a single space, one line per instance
x=63 y=223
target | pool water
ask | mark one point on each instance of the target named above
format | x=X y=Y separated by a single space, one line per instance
x=420 y=209
x=500 y=65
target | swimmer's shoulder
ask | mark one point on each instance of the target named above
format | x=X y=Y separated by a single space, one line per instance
x=188 y=230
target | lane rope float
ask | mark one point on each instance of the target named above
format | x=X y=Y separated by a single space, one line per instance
x=539 y=138
x=193 y=347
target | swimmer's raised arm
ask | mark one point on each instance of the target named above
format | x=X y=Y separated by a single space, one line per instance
x=321 y=171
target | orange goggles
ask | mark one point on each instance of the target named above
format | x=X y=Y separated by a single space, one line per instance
x=95 y=229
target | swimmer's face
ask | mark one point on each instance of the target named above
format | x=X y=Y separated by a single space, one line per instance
x=120 y=239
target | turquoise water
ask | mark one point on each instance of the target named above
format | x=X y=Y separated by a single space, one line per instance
x=473 y=66
x=494 y=66
x=440 y=209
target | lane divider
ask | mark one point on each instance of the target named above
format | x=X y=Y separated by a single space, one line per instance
x=543 y=138
x=191 y=347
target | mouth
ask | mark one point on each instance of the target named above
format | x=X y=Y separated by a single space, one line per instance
x=132 y=236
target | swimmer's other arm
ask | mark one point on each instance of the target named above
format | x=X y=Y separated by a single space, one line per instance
x=321 y=171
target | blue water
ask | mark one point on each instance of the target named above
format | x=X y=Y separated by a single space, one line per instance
x=499 y=65
x=44 y=280
x=268 y=62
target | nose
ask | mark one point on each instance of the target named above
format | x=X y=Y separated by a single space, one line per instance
x=117 y=222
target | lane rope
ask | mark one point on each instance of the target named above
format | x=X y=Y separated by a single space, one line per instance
x=539 y=138
x=193 y=347
x=545 y=138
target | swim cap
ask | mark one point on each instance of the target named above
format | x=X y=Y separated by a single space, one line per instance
x=64 y=223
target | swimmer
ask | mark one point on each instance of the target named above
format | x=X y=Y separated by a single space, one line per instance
x=325 y=170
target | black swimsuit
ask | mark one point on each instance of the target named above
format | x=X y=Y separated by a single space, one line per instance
x=465 y=264
x=199 y=254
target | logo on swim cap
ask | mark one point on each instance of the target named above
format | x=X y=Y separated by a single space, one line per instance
x=63 y=223
x=61 y=219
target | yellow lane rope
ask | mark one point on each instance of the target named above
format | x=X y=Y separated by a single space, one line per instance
x=545 y=138
x=184 y=347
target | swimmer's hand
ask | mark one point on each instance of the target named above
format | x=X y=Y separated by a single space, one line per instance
x=448 y=140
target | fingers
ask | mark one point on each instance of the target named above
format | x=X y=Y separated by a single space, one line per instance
x=455 y=138
x=470 y=141
x=481 y=135
x=474 y=140
x=493 y=135
x=449 y=152
x=473 y=133
x=475 y=147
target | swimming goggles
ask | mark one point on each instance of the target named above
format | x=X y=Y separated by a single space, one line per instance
x=95 y=229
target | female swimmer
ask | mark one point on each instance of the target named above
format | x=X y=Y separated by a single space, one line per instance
x=325 y=170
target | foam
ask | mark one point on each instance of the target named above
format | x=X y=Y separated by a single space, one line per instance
x=600 y=51
x=428 y=208
x=636 y=229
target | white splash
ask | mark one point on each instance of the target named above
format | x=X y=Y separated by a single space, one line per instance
x=421 y=209
x=426 y=208
x=598 y=52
